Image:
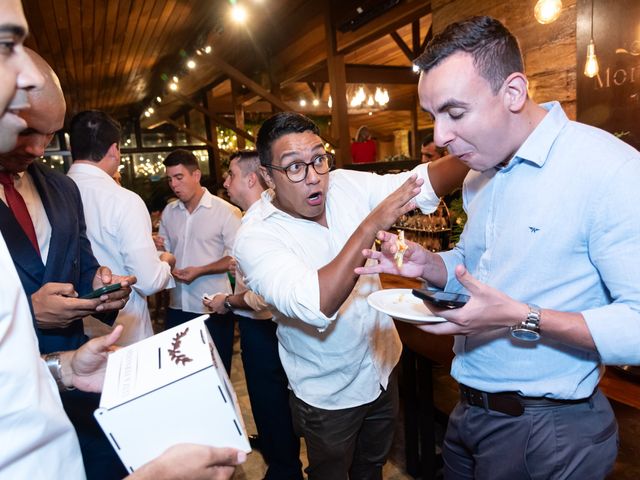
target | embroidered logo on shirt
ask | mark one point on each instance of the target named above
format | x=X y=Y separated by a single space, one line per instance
x=534 y=229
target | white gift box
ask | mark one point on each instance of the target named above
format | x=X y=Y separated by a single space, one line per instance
x=167 y=389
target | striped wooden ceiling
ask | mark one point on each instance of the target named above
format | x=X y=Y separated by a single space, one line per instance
x=111 y=54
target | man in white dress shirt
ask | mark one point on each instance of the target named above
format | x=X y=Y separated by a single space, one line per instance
x=299 y=255
x=118 y=223
x=38 y=441
x=43 y=224
x=199 y=229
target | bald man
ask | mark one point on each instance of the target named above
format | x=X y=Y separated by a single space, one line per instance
x=54 y=261
x=63 y=265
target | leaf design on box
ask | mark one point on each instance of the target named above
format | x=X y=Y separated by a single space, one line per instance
x=174 y=352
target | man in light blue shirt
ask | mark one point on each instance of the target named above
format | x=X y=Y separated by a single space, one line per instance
x=552 y=222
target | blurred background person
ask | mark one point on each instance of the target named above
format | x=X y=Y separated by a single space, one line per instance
x=363 y=150
x=429 y=151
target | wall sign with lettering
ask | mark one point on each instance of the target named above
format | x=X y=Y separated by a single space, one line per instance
x=610 y=100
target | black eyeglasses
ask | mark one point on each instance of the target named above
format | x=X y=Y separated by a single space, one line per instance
x=297 y=171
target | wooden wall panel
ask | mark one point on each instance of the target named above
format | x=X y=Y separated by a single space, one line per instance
x=549 y=50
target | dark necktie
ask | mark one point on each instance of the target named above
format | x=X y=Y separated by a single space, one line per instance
x=19 y=208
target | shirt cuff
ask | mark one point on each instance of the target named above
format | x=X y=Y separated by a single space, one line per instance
x=615 y=330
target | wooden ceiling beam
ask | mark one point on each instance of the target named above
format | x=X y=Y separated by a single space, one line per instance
x=399 y=16
x=240 y=77
x=369 y=74
x=214 y=117
x=427 y=38
x=403 y=46
x=188 y=131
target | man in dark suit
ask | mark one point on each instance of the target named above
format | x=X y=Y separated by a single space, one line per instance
x=63 y=263
x=53 y=257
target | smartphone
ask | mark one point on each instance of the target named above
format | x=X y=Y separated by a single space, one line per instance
x=440 y=298
x=101 y=291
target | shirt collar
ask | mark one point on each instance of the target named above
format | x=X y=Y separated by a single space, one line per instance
x=206 y=201
x=538 y=144
x=90 y=170
x=266 y=207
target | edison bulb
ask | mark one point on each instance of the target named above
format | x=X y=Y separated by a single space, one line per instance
x=547 y=11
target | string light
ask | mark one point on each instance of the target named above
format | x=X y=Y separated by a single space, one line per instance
x=191 y=64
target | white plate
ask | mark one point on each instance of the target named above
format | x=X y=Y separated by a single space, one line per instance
x=401 y=304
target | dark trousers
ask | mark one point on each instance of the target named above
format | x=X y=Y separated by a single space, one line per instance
x=564 y=441
x=101 y=462
x=220 y=328
x=269 y=396
x=351 y=443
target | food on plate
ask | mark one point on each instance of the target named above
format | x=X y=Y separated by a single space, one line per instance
x=402 y=247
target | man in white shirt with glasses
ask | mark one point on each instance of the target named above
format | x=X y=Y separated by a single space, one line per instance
x=337 y=351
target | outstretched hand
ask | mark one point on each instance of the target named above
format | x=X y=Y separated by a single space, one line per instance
x=86 y=366
x=487 y=309
x=396 y=204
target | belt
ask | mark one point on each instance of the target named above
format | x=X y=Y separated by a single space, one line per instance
x=510 y=403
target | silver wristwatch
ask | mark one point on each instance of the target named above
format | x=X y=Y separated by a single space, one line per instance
x=529 y=329
x=55 y=368
x=227 y=303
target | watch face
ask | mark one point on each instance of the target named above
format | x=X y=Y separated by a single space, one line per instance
x=525 y=334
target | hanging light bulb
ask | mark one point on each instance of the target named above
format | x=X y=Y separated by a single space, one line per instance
x=547 y=11
x=591 y=67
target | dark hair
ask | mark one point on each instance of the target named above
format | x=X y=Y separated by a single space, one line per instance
x=495 y=51
x=428 y=138
x=92 y=132
x=182 y=157
x=278 y=125
x=248 y=162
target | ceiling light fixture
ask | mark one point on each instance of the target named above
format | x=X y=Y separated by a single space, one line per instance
x=547 y=11
x=238 y=13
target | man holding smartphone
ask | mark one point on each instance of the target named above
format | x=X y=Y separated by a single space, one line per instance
x=43 y=224
x=553 y=275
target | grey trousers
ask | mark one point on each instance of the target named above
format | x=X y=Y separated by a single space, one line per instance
x=351 y=443
x=564 y=441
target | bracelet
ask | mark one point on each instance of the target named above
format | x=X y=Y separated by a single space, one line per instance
x=55 y=368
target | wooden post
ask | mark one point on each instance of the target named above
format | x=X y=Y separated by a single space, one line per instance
x=415 y=141
x=215 y=168
x=238 y=111
x=338 y=85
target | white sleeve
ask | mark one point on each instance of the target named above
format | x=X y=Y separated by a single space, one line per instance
x=139 y=253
